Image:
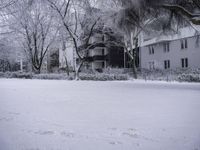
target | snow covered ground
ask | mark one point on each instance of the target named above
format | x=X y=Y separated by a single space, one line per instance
x=70 y=115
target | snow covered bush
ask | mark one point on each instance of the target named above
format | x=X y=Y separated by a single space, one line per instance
x=5 y=74
x=103 y=77
x=182 y=75
x=189 y=77
x=1 y=74
x=156 y=74
x=54 y=76
x=63 y=76
x=108 y=74
x=83 y=76
x=88 y=71
x=114 y=71
x=24 y=75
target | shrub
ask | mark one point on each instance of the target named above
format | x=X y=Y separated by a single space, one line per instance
x=63 y=76
x=5 y=74
x=53 y=76
x=110 y=74
x=114 y=71
x=2 y=74
x=188 y=75
x=88 y=71
x=103 y=77
x=25 y=75
x=22 y=75
x=189 y=78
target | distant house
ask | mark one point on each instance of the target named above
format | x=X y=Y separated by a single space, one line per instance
x=67 y=56
x=181 y=50
x=103 y=57
x=51 y=61
x=99 y=57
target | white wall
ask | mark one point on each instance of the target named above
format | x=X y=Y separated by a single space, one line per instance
x=68 y=53
x=97 y=52
x=174 y=55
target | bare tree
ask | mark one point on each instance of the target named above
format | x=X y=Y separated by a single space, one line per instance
x=72 y=14
x=6 y=3
x=33 y=22
x=135 y=16
x=7 y=58
x=131 y=18
x=63 y=39
x=189 y=10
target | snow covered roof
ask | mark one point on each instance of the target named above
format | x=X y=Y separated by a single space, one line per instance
x=182 y=33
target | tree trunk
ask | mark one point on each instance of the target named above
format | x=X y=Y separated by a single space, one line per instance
x=67 y=69
x=134 y=69
x=77 y=71
x=36 y=70
x=134 y=53
x=67 y=66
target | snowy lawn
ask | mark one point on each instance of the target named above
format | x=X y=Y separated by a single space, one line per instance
x=70 y=115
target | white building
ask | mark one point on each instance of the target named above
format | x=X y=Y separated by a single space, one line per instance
x=103 y=57
x=181 y=50
x=98 y=54
x=67 y=54
x=99 y=57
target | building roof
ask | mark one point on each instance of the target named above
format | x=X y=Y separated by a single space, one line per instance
x=182 y=33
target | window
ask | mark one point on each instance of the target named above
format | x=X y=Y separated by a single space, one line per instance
x=184 y=44
x=103 y=64
x=103 y=38
x=184 y=62
x=167 y=64
x=103 y=51
x=197 y=38
x=166 y=47
x=151 y=50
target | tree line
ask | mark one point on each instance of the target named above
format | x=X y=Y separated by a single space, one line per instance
x=36 y=26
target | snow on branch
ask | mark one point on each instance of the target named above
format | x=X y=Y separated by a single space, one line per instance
x=194 y=18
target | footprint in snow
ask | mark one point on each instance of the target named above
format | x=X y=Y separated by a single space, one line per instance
x=13 y=113
x=67 y=134
x=132 y=135
x=115 y=142
x=163 y=130
x=44 y=132
x=6 y=119
x=113 y=129
x=131 y=129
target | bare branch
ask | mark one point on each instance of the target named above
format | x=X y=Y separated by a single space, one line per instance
x=194 y=18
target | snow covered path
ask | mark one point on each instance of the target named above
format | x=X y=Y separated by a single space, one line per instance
x=70 y=115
